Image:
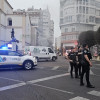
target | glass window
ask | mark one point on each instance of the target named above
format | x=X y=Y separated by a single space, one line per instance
x=66 y=29
x=50 y=50
x=9 y=22
x=83 y=9
x=86 y=10
x=73 y=29
x=11 y=53
x=3 y=52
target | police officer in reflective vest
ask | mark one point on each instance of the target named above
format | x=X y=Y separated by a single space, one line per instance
x=73 y=63
x=86 y=63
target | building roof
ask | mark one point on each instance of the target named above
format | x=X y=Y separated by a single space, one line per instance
x=9 y=4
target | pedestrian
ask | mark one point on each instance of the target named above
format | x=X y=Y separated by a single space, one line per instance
x=73 y=63
x=86 y=63
x=79 y=55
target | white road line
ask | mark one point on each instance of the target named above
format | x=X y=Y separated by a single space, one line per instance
x=12 y=86
x=69 y=68
x=11 y=79
x=97 y=64
x=47 y=78
x=91 y=73
x=79 y=98
x=95 y=93
x=95 y=68
x=29 y=82
x=55 y=68
x=53 y=89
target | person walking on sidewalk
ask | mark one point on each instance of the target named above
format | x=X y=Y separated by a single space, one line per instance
x=86 y=63
x=73 y=63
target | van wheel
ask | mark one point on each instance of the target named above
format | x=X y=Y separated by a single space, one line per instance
x=28 y=65
x=53 y=58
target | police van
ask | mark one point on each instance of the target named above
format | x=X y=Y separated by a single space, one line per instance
x=8 y=57
x=41 y=52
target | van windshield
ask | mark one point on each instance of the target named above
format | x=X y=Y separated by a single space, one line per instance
x=50 y=50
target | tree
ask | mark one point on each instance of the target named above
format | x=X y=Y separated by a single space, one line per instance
x=98 y=36
x=87 y=37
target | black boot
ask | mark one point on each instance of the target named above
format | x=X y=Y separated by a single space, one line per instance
x=90 y=86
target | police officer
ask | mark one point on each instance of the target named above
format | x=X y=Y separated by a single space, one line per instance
x=79 y=55
x=86 y=63
x=73 y=62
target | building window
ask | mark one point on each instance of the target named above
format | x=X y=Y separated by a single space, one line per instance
x=91 y=19
x=80 y=9
x=86 y=10
x=73 y=29
x=66 y=29
x=9 y=22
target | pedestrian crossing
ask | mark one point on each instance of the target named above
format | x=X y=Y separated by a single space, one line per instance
x=93 y=93
x=79 y=98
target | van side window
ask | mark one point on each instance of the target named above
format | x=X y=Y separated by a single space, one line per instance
x=50 y=50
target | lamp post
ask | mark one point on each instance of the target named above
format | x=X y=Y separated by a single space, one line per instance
x=14 y=41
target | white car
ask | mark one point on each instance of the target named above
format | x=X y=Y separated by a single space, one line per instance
x=8 y=57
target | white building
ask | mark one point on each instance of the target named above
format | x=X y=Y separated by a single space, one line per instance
x=40 y=20
x=58 y=43
x=28 y=26
x=77 y=16
x=17 y=20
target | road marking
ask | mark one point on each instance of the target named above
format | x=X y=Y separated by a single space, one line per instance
x=11 y=79
x=95 y=68
x=12 y=86
x=91 y=73
x=54 y=89
x=97 y=64
x=29 y=82
x=55 y=68
x=95 y=93
x=69 y=68
x=79 y=98
x=47 y=78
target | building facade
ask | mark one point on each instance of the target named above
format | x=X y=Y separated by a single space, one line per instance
x=44 y=26
x=17 y=20
x=28 y=26
x=77 y=16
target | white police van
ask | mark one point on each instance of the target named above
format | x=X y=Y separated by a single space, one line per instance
x=8 y=57
x=41 y=52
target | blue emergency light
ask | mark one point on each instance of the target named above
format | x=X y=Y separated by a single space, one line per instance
x=4 y=48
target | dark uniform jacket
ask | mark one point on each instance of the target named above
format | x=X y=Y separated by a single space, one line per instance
x=79 y=54
x=72 y=56
x=86 y=52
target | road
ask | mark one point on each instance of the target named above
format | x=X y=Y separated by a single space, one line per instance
x=48 y=81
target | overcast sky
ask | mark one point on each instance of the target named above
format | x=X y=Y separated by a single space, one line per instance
x=53 y=6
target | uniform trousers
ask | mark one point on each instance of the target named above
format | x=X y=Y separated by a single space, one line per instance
x=86 y=71
x=79 y=68
x=74 y=65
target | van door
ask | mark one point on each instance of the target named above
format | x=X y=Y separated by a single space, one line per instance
x=51 y=53
x=44 y=53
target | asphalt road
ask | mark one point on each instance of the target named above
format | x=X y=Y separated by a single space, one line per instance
x=48 y=81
